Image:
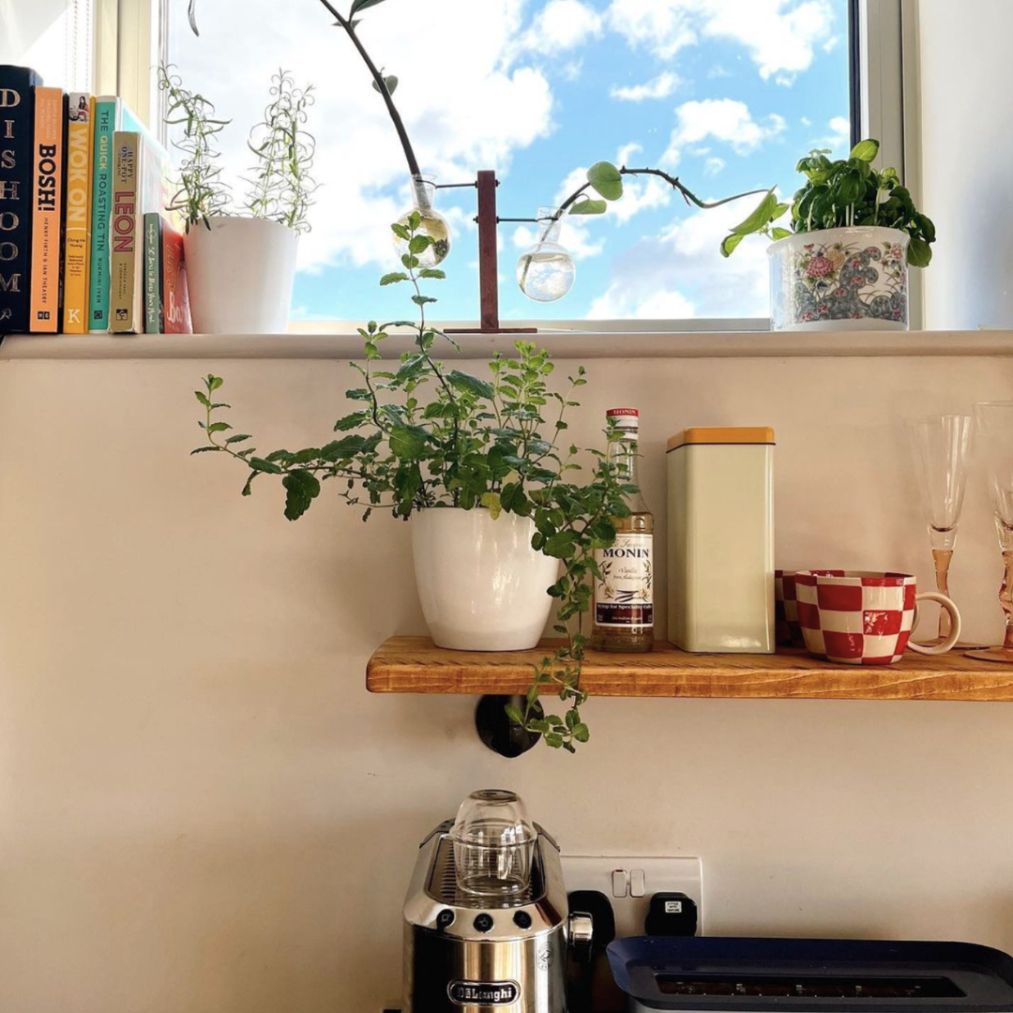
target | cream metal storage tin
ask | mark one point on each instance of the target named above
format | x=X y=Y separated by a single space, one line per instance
x=721 y=540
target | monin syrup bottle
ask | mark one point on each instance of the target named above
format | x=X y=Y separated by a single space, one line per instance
x=624 y=593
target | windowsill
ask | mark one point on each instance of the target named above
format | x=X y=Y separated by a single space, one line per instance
x=563 y=344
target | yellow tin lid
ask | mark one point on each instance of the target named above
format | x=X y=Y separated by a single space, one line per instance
x=721 y=435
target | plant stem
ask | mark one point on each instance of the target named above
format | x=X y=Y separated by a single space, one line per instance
x=406 y=144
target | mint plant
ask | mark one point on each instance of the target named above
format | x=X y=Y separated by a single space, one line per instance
x=429 y=436
x=836 y=194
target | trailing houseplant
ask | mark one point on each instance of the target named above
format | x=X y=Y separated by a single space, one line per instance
x=427 y=439
x=241 y=265
x=853 y=230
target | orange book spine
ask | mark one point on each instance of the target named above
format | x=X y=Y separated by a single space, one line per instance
x=77 y=218
x=47 y=207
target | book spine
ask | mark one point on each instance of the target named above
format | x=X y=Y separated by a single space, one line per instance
x=47 y=210
x=124 y=235
x=77 y=217
x=17 y=115
x=153 y=312
x=106 y=120
x=175 y=298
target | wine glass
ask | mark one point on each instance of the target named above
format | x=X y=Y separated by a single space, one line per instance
x=994 y=437
x=941 y=447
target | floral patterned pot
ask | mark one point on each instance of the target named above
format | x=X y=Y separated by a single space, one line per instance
x=839 y=279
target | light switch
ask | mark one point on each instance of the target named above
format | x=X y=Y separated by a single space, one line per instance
x=637 y=883
x=618 y=882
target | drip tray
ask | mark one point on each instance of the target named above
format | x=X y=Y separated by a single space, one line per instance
x=756 y=975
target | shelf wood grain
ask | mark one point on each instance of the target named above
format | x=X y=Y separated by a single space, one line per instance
x=415 y=665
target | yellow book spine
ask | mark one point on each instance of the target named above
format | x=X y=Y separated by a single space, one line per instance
x=77 y=230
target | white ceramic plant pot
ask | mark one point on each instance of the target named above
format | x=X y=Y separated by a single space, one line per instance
x=481 y=585
x=239 y=274
x=840 y=279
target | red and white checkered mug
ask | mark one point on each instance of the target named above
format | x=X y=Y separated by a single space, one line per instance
x=864 y=618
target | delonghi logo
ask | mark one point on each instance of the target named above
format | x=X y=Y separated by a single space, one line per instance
x=483 y=993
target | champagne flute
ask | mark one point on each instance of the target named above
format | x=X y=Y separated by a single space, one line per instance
x=941 y=445
x=994 y=437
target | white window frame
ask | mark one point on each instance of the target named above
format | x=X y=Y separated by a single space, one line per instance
x=131 y=38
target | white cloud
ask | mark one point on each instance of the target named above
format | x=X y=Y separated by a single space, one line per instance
x=713 y=166
x=651 y=279
x=658 y=87
x=780 y=35
x=839 y=140
x=477 y=111
x=723 y=119
x=663 y=26
x=562 y=25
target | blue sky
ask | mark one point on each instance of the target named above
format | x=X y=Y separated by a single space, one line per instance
x=727 y=94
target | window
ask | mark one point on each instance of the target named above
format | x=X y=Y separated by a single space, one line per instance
x=725 y=93
x=54 y=39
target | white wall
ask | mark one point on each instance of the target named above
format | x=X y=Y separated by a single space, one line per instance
x=203 y=811
x=966 y=121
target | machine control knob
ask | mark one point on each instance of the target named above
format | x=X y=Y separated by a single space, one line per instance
x=522 y=920
x=580 y=929
x=445 y=918
x=482 y=922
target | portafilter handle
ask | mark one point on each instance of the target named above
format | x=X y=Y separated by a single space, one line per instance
x=580 y=932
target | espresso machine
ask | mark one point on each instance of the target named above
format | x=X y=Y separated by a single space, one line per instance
x=486 y=921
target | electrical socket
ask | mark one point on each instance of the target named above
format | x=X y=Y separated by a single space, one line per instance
x=614 y=875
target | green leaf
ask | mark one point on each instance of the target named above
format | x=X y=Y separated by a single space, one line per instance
x=490 y=500
x=202 y=397
x=421 y=300
x=389 y=81
x=761 y=215
x=401 y=231
x=729 y=243
x=513 y=712
x=350 y=421
x=919 y=253
x=238 y=438
x=778 y=233
x=218 y=427
x=393 y=278
x=268 y=467
x=865 y=150
x=581 y=732
x=419 y=244
x=471 y=384
x=589 y=207
x=301 y=489
x=606 y=179
x=361 y=5
x=214 y=382
x=407 y=442
x=205 y=450
x=432 y=272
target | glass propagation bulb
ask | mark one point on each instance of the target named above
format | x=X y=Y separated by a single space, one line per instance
x=433 y=224
x=545 y=271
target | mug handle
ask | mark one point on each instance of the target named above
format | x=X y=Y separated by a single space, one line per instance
x=954 y=636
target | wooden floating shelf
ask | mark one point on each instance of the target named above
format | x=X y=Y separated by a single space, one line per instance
x=415 y=665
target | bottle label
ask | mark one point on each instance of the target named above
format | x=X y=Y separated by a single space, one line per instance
x=624 y=596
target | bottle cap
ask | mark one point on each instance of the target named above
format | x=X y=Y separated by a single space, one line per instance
x=624 y=418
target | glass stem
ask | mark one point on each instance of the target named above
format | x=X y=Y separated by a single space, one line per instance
x=1006 y=596
x=942 y=559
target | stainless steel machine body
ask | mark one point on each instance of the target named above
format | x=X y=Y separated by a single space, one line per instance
x=470 y=954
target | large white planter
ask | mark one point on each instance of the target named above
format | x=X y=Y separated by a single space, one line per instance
x=239 y=274
x=840 y=279
x=481 y=585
